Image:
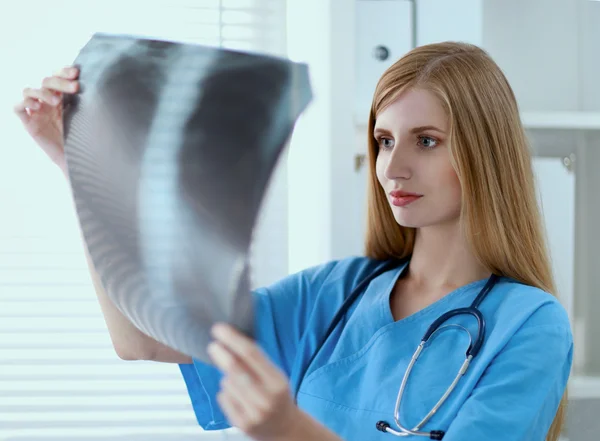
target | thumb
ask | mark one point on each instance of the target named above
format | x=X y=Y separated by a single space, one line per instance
x=21 y=111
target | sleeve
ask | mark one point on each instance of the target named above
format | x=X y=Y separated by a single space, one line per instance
x=282 y=312
x=519 y=394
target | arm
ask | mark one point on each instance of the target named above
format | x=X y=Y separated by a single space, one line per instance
x=129 y=342
x=41 y=113
x=518 y=396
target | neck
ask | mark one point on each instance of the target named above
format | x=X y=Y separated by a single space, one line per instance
x=442 y=259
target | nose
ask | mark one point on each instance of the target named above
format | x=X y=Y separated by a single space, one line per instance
x=397 y=165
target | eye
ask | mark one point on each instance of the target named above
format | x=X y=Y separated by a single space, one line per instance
x=427 y=142
x=385 y=143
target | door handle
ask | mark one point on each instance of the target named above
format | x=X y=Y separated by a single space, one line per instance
x=359 y=161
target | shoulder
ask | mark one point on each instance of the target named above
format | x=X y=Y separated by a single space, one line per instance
x=326 y=285
x=303 y=304
x=518 y=309
x=527 y=331
x=538 y=306
x=346 y=272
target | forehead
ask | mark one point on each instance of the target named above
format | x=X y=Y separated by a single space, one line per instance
x=413 y=108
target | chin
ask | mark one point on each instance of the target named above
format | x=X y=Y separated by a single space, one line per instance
x=409 y=221
x=410 y=224
x=410 y=218
x=415 y=220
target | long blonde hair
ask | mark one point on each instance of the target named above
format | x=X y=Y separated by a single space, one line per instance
x=491 y=156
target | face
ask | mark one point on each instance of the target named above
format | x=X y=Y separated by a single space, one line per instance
x=413 y=163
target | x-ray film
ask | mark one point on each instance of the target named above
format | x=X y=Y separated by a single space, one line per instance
x=170 y=148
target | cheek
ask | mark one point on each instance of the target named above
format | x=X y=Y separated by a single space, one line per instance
x=442 y=181
x=452 y=184
x=380 y=165
x=442 y=175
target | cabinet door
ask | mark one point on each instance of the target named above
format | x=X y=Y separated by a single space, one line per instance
x=556 y=195
x=449 y=20
x=360 y=192
x=384 y=33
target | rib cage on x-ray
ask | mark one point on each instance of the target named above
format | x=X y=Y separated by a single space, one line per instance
x=170 y=148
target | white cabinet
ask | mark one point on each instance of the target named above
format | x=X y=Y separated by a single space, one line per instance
x=556 y=194
x=538 y=44
x=443 y=20
x=384 y=30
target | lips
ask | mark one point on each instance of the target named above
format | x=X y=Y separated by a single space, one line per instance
x=402 y=194
x=401 y=198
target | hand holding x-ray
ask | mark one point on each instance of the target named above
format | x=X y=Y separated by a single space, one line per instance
x=169 y=149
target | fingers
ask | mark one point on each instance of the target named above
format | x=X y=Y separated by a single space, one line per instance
x=52 y=88
x=24 y=108
x=233 y=396
x=59 y=84
x=244 y=400
x=51 y=92
x=247 y=351
x=30 y=103
x=21 y=110
x=238 y=380
x=236 y=413
x=231 y=365
x=254 y=394
x=249 y=396
x=45 y=95
x=68 y=72
x=27 y=103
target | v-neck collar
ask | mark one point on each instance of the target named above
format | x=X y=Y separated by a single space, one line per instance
x=385 y=287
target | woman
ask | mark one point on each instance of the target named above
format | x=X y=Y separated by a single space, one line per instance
x=452 y=210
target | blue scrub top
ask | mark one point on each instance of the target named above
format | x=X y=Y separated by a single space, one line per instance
x=511 y=390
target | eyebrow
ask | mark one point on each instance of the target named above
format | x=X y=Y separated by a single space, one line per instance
x=420 y=129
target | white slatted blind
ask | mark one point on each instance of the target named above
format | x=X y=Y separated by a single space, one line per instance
x=59 y=376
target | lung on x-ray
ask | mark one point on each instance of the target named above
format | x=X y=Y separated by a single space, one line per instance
x=170 y=148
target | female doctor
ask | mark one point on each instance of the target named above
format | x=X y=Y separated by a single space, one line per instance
x=453 y=217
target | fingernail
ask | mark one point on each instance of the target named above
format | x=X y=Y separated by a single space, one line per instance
x=211 y=348
x=217 y=329
x=215 y=352
x=244 y=378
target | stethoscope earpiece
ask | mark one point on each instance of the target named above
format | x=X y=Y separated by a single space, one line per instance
x=384 y=427
x=436 y=434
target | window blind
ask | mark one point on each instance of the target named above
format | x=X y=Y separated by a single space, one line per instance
x=59 y=376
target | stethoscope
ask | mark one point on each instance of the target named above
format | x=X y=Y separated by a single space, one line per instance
x=435 y=327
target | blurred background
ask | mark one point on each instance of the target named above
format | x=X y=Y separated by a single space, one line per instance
x=59 y=376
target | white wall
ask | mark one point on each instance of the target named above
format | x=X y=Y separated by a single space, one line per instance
x=590 y=60
x=321 y=150
x=536 y=44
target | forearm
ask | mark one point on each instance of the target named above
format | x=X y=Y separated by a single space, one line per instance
x=129 y=342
